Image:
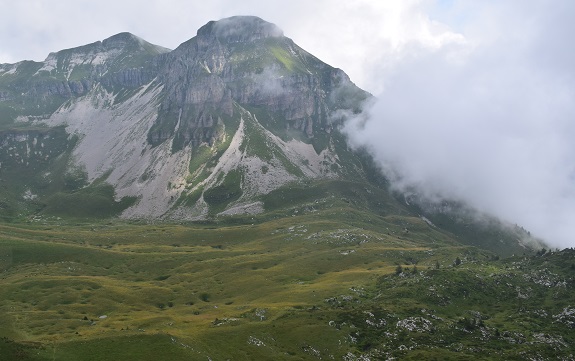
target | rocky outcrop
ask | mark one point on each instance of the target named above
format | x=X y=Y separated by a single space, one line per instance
x=129 y=78
x=65 y=89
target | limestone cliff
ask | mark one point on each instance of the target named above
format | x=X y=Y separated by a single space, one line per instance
x=247 y=61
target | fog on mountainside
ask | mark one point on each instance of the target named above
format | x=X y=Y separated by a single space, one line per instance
x=487 y=120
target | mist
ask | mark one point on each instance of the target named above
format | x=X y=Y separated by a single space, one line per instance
x=487 y=118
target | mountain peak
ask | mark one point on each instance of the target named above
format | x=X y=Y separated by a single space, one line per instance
x=238 y=29
x=116 y=44
x=121 y=39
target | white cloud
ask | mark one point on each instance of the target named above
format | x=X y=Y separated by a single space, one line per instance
x=495 y=126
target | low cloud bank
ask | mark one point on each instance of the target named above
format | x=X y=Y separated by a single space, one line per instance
x=489 y=120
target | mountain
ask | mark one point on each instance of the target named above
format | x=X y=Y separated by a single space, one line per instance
x=238 y=120
x=201 y=203
x=232 y=114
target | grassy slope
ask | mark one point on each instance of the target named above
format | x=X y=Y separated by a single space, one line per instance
x=177 y=280
x=266 y=290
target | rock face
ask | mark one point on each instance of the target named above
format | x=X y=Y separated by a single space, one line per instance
x=230 y=115
x=247 y=61
x=121 y=61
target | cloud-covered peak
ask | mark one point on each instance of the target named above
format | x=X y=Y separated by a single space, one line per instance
x=238 y=29
x=121 y=40
x=126 y=39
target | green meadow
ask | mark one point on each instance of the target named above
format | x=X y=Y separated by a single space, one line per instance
x=326 y=283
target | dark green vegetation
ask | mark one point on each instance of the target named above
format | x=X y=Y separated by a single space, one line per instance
x=329 y=280
x=36 y=178
x=220 y=196
x=515 y=309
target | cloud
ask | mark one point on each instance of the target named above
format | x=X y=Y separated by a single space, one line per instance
x=489 y=119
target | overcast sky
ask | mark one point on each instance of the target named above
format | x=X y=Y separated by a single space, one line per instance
x=475 y=99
